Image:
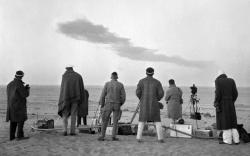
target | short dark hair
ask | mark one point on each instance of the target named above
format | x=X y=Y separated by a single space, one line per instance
x=114 y=75
x=69 y=68
x=171 y=81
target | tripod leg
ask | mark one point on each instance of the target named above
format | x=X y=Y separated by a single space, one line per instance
x=136 y=111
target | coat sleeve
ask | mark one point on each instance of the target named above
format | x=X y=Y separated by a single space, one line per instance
x=102 y=98
x=180 y=92
x=160 y=92
x=23 y=92
x=82 y=90
x=61 y=95
x=235 y=92
x=86 y=94
x=139 y=90
x=167 y=98
x=217 y=98
x=123 y=95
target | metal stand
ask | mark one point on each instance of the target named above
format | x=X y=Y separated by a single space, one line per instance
x=194 y=101
x=136 y=111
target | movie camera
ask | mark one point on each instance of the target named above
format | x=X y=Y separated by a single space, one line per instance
x=194 y=101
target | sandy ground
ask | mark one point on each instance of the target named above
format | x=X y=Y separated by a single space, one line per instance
x=54 y=144
x=84 y=144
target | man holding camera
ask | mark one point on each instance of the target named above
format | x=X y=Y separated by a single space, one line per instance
x=17 y=93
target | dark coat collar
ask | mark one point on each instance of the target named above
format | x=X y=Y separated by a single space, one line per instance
x=18 y=80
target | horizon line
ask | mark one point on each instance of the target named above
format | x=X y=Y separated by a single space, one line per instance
x=124 y=85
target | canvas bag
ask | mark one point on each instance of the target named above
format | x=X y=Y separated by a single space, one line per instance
x=124 y=129
x=243 y=134
x=45 y=124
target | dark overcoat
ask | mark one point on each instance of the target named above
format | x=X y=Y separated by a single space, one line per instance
x=72 y=90
x=225 y=96
x=84 y=107
x=16 y=101
x=149 y=91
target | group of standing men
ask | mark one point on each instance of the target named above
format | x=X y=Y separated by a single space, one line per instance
x=149 y=91
x=73 y=101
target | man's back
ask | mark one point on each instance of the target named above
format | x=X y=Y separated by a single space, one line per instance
x=16 y=98
x=226 y=88
x=113 y=92
x=72 y=90
x=72 y=86
x=149 y=87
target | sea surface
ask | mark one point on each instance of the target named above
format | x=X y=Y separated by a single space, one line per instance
x=44 y=99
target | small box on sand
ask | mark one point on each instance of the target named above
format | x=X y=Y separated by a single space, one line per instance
x=203 y=133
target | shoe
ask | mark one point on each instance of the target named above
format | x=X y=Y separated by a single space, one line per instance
x=139 y=140
x=101 y=139
x=65 y=134
x=115 y=139
x=161 y=141
x=72 y=134
x=222 y=142
x=12 y=138
x=22 y=138
x=237 y=143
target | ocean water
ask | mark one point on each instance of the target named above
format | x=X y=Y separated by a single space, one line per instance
x=44 y=99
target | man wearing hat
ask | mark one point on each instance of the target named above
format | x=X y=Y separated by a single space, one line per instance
x=150 y=92
x=17 y=93
x=174 y=101
x=112 y=98
x=71 y=97
x=225 y=96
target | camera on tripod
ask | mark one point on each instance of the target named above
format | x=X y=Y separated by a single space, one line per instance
x=194 y=101
x=193 y=89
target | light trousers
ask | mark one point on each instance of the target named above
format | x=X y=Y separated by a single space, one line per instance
x=230 y=135
x=73 y=114
x=158 y=130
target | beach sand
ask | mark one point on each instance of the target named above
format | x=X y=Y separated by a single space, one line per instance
x=54 y=144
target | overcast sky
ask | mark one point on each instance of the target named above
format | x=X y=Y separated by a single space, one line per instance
x=187 y=40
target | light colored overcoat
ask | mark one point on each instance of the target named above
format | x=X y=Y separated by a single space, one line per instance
x=173 y=100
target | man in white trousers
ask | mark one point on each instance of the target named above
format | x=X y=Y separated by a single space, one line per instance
x=225 y=96
x=149 y=91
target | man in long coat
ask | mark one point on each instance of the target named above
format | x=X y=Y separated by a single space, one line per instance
x=173 y=99
x=17 y=109
x=149 y=91
x=112 y=98
x=83 y=109
x=225 y=96
x=71 y=96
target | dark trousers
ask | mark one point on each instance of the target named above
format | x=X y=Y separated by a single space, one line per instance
x=19 y=127
x=79 y=120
